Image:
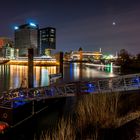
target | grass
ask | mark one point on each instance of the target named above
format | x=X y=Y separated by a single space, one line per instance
x=98 y=110
x=93 y=113
x=65 y=130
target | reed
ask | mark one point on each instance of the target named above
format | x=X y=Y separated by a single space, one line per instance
x=98 y=110
x=65 y=130
x=90 y=115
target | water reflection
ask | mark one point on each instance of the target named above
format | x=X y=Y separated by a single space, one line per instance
x=11 y=76
x=77 y=71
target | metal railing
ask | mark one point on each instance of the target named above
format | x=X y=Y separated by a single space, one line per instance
x=114 y=84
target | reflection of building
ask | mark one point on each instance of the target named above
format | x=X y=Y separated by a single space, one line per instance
x=26 y=36
x=47 y=40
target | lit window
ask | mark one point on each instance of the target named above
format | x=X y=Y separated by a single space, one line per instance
x=51 y=39
x=52 y=30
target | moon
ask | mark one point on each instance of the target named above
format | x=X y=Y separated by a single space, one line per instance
x=113 y=23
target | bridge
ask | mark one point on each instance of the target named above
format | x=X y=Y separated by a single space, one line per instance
x=23 y=103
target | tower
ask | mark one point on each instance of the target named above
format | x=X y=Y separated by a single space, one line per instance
x=26 y=36
x=47 y=40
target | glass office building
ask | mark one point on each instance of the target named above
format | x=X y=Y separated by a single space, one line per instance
x=47 y=40
x=26 y=36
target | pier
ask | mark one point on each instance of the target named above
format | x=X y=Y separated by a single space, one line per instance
x=20 y=104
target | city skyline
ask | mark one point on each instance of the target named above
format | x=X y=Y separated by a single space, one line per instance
x=111 y=25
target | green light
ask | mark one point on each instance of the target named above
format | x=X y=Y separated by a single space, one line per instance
x=109 y=68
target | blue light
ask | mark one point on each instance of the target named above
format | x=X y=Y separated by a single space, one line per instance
x=16 y=27
x=90 y=88
x=32 y=24
x=136 y=81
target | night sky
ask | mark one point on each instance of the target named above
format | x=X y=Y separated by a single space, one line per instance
x=91 y=24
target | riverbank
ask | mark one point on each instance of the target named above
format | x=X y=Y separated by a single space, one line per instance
x=96 y=116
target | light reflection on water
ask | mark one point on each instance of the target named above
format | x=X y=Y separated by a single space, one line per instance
x=11 y=76
x=77 y=72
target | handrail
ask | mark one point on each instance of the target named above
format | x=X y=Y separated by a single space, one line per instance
x=113 y=84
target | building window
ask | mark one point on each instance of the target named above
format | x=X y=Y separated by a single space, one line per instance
x=51 y=39
x=52 y=30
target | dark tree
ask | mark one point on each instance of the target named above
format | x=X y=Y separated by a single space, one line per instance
x=124 y=55
x=138 y=57
x=123 y=58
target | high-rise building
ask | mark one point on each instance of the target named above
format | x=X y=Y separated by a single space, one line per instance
x=47 y=40
x=26 y=36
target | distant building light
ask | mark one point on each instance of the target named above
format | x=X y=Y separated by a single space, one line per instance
x=16 y=27
x=32 y=24
x=111 y=56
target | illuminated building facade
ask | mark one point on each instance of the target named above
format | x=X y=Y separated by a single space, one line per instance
x=9 y=52
x=47 y=40
x=4 y=41
x=4 y=44
x=86 y=55
x=26 y=36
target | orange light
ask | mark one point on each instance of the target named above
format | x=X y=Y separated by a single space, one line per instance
x=2 y=127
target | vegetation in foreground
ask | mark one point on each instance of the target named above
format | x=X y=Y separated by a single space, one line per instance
x=91 y=114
